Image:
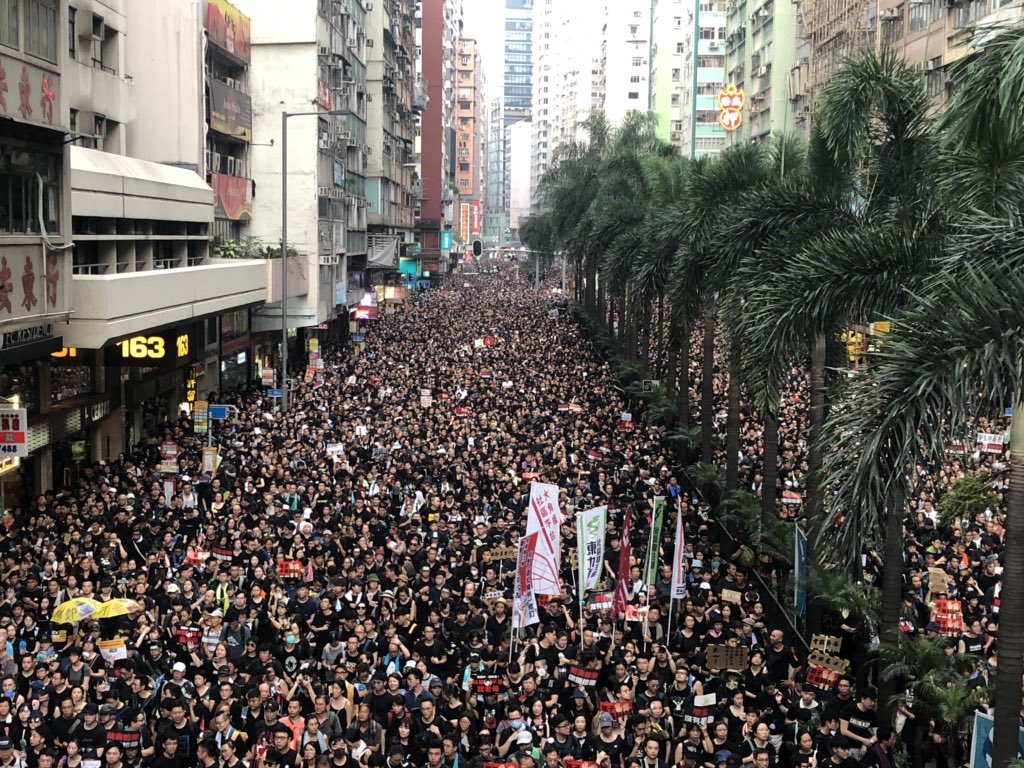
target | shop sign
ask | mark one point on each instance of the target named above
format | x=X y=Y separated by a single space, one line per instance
x=169 y=450
x=463 y=222
x=14 y=432
x=267 y=377
x=228 y=29
x=201 y=417
x=232 y=196
x=191 y=389
x=476 y=216
x=230 y=110
x=29 y=94
x=151 y=350
x=26 y=336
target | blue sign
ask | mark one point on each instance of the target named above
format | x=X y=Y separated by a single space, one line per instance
x=446 y=240
x=218 y=412
x=1008 y=412
x=274 y=393
x=359 y=339
x=981 y=741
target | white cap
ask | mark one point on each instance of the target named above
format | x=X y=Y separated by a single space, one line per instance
x=179 y=667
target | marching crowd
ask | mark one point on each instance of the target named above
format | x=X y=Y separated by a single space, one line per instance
x=339 y=592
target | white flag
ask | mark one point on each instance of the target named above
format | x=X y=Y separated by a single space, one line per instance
x=545 y=519
x=591 y=527
x=679 y=562
x=524 y=603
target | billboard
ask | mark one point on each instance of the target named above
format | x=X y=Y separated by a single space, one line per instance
x=228 y=28
x=232 y=196
x=477 y=215
x=464 y=222
x=230 y=111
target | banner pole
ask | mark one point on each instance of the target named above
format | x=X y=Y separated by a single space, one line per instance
x=651 y=559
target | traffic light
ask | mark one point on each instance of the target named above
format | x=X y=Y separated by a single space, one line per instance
x=478 y=248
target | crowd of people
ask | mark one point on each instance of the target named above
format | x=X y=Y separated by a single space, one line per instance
x=329 y=597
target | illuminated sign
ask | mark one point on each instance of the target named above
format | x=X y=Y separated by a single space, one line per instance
x=157 y=349
x=731 y=101
x=65 y=352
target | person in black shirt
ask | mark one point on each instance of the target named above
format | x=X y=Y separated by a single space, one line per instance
x=858 y=722
x=167 y=753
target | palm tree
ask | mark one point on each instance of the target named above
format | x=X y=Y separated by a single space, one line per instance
x=699 y=276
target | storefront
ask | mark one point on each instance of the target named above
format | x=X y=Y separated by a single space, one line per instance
x=236 y=365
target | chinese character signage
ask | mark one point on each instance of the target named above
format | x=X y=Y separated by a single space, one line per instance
x=32 y=285
x=476 y=216
x=590 y=534
x=731 y=101
x=464 y=222
x=228 y=28
x=13 y=432
x=230 y=111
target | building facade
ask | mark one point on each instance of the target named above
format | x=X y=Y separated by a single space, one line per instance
x=495 y=218
x=469 y=141
x=626 y=58
x=760 y=54
x=517 y=102
x=688 y=77
x=394 y=97
x=311 y=61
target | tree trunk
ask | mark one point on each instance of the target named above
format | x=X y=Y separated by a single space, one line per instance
x=771 y=463
x=644 y=317
x=812 y=483
x=602 y=299
x=660 y=338
x=732 y=425
x=1008 y=696
x=685 y=335
x=611 y=318
x=671 y=369
x=892 y=592
x=707 y=385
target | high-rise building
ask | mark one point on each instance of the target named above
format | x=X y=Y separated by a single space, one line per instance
x=311 y=61
x=469 y=140
x=829 y=33
x=439 y=28
x=520 y=142
x=760 y=54
x=518 y=86
x=578 y=76
x=495 y=218
x=626 y=58
x=690 y=125
x=393 y=99
x=547 y=54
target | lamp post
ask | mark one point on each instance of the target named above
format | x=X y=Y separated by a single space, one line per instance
x=284 y=240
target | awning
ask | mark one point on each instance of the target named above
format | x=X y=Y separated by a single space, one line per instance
x=112 y=186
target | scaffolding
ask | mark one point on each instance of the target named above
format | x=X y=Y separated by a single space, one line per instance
x=832 y=31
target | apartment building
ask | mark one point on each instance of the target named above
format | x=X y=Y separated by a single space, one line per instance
x=760 y=54
x=689 y=73
x=394 y=98
x=626 y=58
x=469 y=141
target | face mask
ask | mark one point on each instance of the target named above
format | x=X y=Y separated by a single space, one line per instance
x=291 y=639
x=516 y=723
x=339 y=753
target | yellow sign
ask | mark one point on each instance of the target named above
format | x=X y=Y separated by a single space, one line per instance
x=182 y=344
x=143 y=347
x=731 y=101
x=65 y=352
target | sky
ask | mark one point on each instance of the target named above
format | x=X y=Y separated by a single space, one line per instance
x=484 y=20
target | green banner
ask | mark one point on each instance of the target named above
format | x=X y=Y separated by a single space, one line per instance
x=655 y=543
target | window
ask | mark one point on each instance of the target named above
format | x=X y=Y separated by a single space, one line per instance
x=634 y=95
x=675 y=75
x=918 y=16
x=638 y=14
x=634 y=78
x=41 y=28
x=680 y=47
x=72 y=37
x=677 y=22
x=707 y=33
x=100 y=130
x=892 y=29
x=19 y=190
x=675 y=99
x=638 y=61
x=9 y=22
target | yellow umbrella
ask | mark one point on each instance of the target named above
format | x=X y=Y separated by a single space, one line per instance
x=120 y=606
x=75 y=610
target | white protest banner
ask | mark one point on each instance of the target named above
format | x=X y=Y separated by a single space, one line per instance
x=679 y=562
x=545 y=519
x=113 y=650
x=590 y=533
x=524 y=609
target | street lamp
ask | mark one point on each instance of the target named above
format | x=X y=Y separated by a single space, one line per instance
x=284 y=240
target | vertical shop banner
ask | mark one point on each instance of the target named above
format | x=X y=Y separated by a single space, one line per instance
x=981 y=741
x=228 y=28
x=622 y=578
x=201 y=417
x=679 y=561
x=477 y=216
x=545 y=519
x=524 y=609
x=464 y=222
x=654 y=546
x=590 y=534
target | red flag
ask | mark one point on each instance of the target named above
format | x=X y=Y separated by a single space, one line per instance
x=622 y=579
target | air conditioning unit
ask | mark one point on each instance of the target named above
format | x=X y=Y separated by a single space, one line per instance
x=369 y=7
x=324 y=143
x=369 y=97
x=345 y=135
x=713 y=45
x=762 y=14
x=762 y=71
x=369 y=42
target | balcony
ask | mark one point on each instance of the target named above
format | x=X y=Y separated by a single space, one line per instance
x=111 y=306
x=298 y=278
